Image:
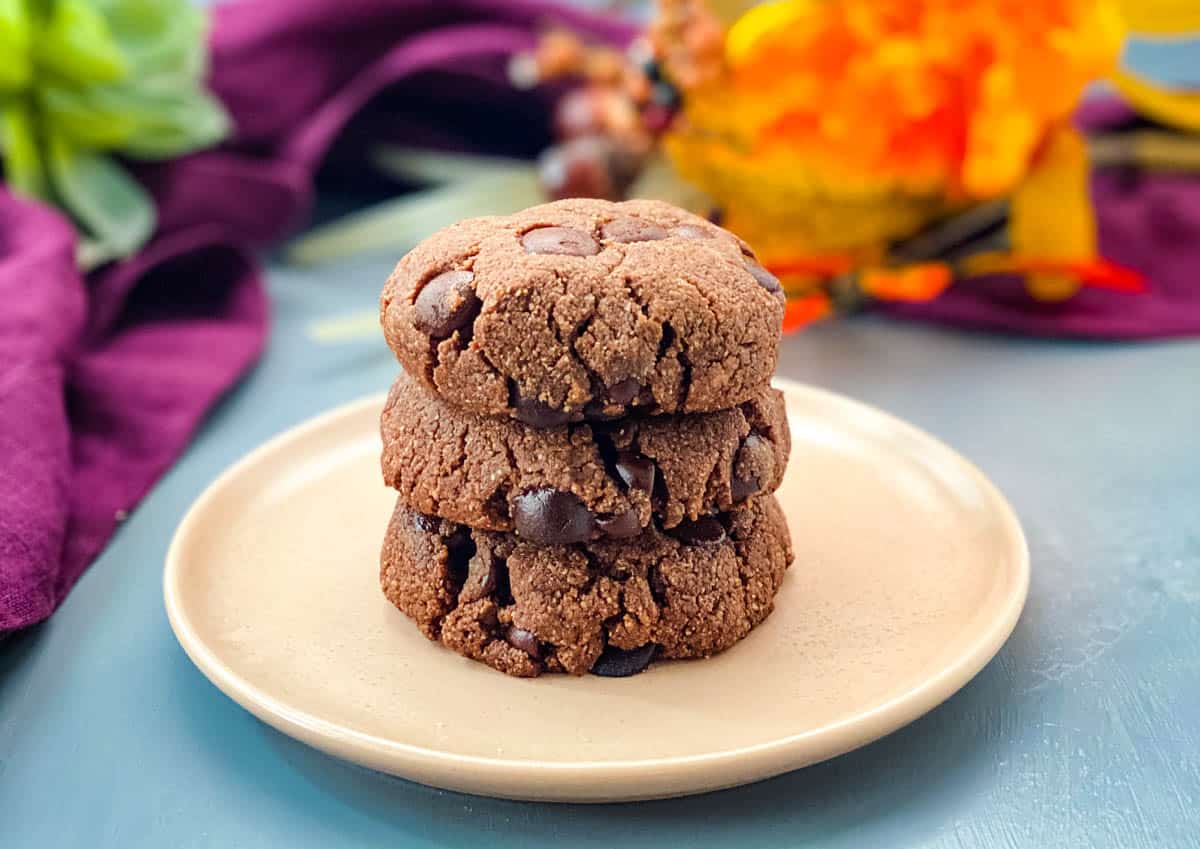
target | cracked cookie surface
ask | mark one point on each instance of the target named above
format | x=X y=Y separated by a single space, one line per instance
x=609 y=606
x=592 y=480
x=585 y=309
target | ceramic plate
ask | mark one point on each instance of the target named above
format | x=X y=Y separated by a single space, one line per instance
x=910 y=572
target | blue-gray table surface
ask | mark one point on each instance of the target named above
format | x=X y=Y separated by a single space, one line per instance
x=1084 y=731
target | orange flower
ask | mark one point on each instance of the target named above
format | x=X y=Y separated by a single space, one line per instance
x=952 y=96
x=916 y=283
x=842 y=125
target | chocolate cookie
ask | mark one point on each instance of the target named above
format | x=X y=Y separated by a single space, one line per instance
x=609 y=606
x=585 y=309
x=578 y=482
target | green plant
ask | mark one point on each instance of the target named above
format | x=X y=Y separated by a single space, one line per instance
x=83 y=81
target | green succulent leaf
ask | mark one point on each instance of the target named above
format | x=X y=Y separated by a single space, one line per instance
x=83 y=79
x=16 y=67
x=74 y=44
x=160 y=38
x=18 y=140
x=171 y=123
x=92 y=117
x=91 y=253
x=110 y=204
x=144 y=121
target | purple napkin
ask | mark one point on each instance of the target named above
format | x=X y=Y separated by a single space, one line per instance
x=103 y=380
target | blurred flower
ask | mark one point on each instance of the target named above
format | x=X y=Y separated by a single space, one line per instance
x=946 y=96
x=81 y=80
x=842 y=126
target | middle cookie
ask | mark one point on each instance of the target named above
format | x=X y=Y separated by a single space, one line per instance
x=580 y=482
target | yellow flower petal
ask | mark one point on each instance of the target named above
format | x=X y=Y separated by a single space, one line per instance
x=761 y=20
x=1051 y=215
x=1161 y=17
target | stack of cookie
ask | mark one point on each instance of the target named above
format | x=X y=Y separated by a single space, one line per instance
x=584 y=439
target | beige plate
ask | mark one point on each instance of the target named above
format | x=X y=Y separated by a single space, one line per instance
x=910 y=573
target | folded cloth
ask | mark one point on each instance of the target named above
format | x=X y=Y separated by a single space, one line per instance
x=104 y=379
x=1145 y=220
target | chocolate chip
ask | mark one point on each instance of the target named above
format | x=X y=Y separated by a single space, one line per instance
x=622 y=525
x=706 y=530
x=482 y=577
x=446 y=303
x=537 y=413
x=632 y=230
x=658 y=585
x=753 y=467
x=552 y=517
x=559 y=240
x=742 y=488
x=691 y=231
x=425 y=524
x=525 y=641
x=621 y=663
x=636 y=471
x=624 y=391
x=765 y=278
x=599 y=412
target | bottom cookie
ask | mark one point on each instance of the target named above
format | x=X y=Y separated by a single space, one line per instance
x=609 y=606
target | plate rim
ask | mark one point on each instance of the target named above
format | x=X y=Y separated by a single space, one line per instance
x=777 y=756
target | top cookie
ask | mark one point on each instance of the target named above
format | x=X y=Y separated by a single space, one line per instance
x=585 y=309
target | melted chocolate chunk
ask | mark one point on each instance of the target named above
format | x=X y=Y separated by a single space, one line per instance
x=537 y=413
x=743 y=488
x=753 y=467
x=765 y=278
x=621 y=663
x=621 y=526
x=707 y=530
x=559 y=240
x=445 y=304
x=658 y=585
x=552 y=517
x=624 y=391
x=426 y=524
x=524 y=640
x=636 y=471
x=597 y=411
